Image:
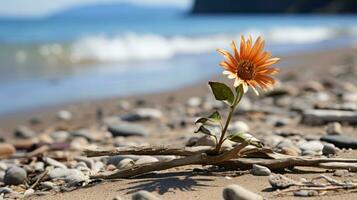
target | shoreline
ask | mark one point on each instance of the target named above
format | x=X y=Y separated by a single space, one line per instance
x=83 y=108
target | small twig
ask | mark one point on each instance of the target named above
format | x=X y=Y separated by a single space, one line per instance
x=40 y=177
x=276 y=164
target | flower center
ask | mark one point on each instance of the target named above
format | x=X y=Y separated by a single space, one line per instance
x=246 y=70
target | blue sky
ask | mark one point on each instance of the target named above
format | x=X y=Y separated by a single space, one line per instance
x=36 y=8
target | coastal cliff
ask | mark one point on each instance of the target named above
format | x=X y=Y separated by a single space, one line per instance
x=274 y=6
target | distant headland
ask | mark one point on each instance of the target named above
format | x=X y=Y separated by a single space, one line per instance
x=275 y=6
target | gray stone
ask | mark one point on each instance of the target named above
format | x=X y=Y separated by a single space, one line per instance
x=236 y=192
x=114 y=160
x=334 y=128
x=54 y=163
x=3 y=166
x=75 y=179
x=5 y=190
x=306 y=193
x=98 y=166
x=142 y=114
x=194 y=102
x=2 y=175
x=321 y=116
x=60 y=173
x=342 y=173
x=278 y=181
x=146 y=159
x=83 y=133
x=64 y=115
x=29 y=192
x=341 y=141
x=144 y=195
x=24 y=132
x=15 y=176
x=59 y=136
x=329 y=149
x=205 y=141
x=239 y=126
x=127 y=129
x=314 y=146
x=88 y=161
x=39 y=166
x=127 y=162
x=259 y=170
x=48 y=185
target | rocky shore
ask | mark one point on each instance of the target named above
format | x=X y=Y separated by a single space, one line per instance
x=312 y=112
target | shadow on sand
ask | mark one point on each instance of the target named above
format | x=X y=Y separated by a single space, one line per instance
x=167 y=182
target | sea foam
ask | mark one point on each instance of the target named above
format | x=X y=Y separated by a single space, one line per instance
x=140 y=47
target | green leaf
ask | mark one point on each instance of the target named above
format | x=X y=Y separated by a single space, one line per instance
x=204 y=130
x=240 y=92
x=214 y=117
x=222 y=92
x=245 y=137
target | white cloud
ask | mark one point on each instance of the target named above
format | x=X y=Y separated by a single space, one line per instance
x=45 y=7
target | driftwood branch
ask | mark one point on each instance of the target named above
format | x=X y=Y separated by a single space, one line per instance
x=198 y=158
x=146 y=150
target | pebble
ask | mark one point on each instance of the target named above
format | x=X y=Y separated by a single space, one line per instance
x=29 y=192
x=6 y=150
x=258 y=170
x=236 y=192
x=114 y=160
x=342 y=173
x=75 y=179
x=334 y=128
x=15 y=176
x=306 y=193
x=5 y=190
x=278 y=181
x=126 y=162
x=24 y=132
x=64 y=115
x=60 y=173
x=39 y=166
x=144 y=195
x=59 y=136
x=48 y=185
x=322 y=116
x=328 y=149
x=142 y=114
x=239 y=127
x=117 y=198
x=288 y=151
x=83 y=133
x=2 y=175
x=146 y=159
x=341 y=141
x=54 y=163
x=312 y=146
x=205 y=140
x=194 y=102
x=127 y=129
x=89 y=162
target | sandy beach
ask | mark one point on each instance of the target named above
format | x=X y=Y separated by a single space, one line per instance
x=317 y=80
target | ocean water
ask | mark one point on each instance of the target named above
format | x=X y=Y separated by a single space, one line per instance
x=104 y=52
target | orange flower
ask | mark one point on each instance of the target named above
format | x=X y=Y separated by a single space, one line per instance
x=250 y=66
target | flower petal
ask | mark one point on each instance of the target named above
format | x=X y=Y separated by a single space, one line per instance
x=234 y=48
x=237 y=82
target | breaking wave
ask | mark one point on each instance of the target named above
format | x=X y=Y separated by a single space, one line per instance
x=139 y=47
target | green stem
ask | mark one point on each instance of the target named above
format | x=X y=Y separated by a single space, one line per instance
x=221 y=140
